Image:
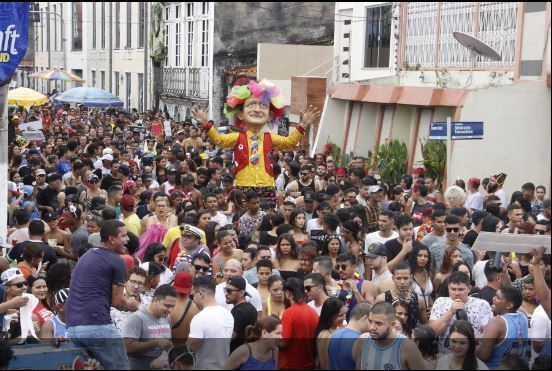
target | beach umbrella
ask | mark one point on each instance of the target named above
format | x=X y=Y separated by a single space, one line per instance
x=89 y=97
x=26 y=97
x=56 y=74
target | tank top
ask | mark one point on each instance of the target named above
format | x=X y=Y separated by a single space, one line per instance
x=376 y=358
x=269 y=308
x=301 y=187
x=514 y=342
x=348 y=298
x=418 y=290
x=254 y=364
x=60 y=328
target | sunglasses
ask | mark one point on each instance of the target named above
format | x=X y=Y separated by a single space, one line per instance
x=539 y=231
x=451 y=230
x=93 y=181
x=308 y=288
x=341 y=267
x=19 y=285
x=228 y=291
x=201 y=268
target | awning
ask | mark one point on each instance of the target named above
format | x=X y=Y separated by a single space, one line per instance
x=405 y=95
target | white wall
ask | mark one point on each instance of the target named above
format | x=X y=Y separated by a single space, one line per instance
x=331 y=125
x=516 y=135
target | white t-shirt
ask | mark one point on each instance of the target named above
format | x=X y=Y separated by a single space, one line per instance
x=313 y=225
x=313 y=306
x=503 y=198
x=478 y=274
x=220 y=219
x=214 y=325
x=376 y=237
x=474 y=201
x=540 y=324
x=254 y=299
x=478 y=310
x=443 y=363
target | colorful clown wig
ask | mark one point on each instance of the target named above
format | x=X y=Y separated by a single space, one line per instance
x=265 y=90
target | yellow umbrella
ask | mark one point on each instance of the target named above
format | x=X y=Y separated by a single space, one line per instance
x=26 y=97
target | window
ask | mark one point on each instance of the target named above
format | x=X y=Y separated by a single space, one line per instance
x=140 y=92
x=204 y=8
x=93 y=25
x=128 y=90
x=177 y=45
x=117 y=25
x=204 y=43
x=378 y=37
x=177 y=11
x=93 y=78
x=189 y=9
x=129 y=24
x=116 y=78
x=347 y=21
x=102 y=79
x=77 y=26
x=190 y=43
x=103 y=25
x=142 y=24
x=166 y=34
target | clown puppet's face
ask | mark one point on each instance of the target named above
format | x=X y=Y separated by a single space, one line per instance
x=254 y=113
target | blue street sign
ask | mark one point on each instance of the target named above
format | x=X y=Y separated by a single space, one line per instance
x=438 y=130
x=461 y=130
x=467 y=130
x=13 y=37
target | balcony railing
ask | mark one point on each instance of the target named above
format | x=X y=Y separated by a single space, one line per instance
x=182 y=82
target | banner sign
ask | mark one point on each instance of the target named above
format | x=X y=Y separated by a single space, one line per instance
x=167 y=127
x=508 y=242
x=461 y=130
x=156 y=129
x=14 y=20
x=34 y=125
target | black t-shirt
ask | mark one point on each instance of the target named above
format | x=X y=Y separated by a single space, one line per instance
x=142 y=211
x=487 y=293
x=47 y=197
x=244 y=315
x=49 y=254
x=266 y=239
x=108 y=181
x=470 y=237
x=394 y=247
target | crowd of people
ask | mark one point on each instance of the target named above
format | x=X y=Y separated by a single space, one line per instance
x=141 y=249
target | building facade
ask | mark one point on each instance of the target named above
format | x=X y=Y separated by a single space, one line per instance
x=400 y=68
x=104 y=43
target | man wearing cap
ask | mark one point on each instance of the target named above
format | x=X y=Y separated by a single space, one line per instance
x=334 y=193
x=47 y=198
x=148 y=331
x=11 y=292
x=185 y=308
x=376 y=260
x=340 y=175
x=130 y=218
x=373 y=208
x=233 y=268
x=295 y=187
x=189 y=244
x=40 y=183
x=244 y=313
x=475 y=199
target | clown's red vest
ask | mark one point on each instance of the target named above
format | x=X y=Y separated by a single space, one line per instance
x=241 y=153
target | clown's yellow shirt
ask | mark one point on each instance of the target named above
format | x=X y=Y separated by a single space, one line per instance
x=255 y=175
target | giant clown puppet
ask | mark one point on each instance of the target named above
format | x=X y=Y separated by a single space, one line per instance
x=251 y=106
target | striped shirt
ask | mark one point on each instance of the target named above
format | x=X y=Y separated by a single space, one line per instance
x=376 y=358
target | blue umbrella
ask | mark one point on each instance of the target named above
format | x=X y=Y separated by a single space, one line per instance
x=89 y=97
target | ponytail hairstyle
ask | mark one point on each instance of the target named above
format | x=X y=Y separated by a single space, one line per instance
x=255 y=332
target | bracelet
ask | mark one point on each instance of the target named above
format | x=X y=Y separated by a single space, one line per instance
x=301 y=129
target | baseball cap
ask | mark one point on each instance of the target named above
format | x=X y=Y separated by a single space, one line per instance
x=332 y=189
x=50 y=216
x=190 y=230
x=238 y=282
x=474 y=182
x=107 y=151
x=127 y=202
x=180 y=132
x=64 y=113
x=15 y=117
x=40 y=172
x=341 y=171
x=309 y=197
x=10 y=274
x=107 y=157
x=152 y=268
x=91 y=177
x=145 y=196
x=61 y=296
x=183 y=283
x=375 y=188
x=376 y=249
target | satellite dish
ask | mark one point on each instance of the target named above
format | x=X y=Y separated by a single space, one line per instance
x=476 y=47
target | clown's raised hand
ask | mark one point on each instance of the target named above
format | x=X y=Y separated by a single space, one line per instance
x=200 y=115
x=310 y=116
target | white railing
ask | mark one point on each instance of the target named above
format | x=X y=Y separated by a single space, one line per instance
x=494 y=23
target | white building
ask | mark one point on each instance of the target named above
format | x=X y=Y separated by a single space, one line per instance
x=400 y=68
x=103 y=42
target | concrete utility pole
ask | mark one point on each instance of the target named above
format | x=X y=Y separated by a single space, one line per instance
x=4 y=162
